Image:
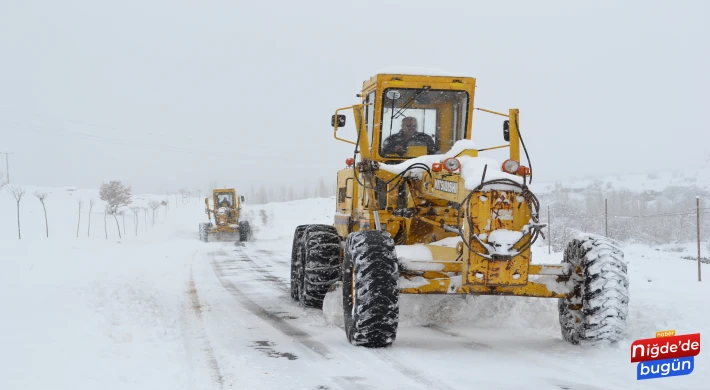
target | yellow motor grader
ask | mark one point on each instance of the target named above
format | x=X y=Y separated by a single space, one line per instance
x=226 y=211
x=421 y=209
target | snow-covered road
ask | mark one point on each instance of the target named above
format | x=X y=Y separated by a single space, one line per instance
x=166 y=311
x=312 y=353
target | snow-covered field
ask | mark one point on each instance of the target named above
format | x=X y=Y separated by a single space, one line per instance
x=162 y=310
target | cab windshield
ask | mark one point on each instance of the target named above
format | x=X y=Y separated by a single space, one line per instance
x=224 y=200
x=417 y=122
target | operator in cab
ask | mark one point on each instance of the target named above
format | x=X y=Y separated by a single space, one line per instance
x=225 y=201
x=408 y=135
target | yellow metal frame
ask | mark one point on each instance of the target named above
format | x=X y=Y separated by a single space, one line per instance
x=335 y=125
x=362 y=206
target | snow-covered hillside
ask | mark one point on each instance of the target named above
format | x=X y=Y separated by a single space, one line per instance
x=165 y=311
x=636 y=182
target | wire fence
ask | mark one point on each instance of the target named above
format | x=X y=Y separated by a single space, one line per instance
x=593 y=223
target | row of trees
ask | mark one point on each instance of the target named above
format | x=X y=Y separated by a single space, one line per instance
x=118 y=201
x=284 y=193
x=18 y=192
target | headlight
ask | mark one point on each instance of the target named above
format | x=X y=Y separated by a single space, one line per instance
x=511 y=166
x=452 y=164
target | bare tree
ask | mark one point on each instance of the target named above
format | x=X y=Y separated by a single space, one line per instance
x=91 y=206
x=135 y=210
x=78 y=224
x=145 y=217
x=165 y=203
x=154 y=206
x=42 y=196
x=122 y=213
x=116 y=195
x=17 y=192
x=105 y=228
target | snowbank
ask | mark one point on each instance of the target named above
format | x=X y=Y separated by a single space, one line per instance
x=96 y=313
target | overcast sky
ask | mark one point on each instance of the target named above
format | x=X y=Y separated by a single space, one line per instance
x=171 y=94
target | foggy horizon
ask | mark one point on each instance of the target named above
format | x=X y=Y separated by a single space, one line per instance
x=165 y=96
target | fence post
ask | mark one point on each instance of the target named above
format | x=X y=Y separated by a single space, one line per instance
x=697 y=207
x=606 y=219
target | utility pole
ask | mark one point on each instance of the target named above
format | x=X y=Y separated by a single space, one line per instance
x=697 y=205
x=7 y=165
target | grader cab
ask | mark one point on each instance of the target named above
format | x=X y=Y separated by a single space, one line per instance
x=421 y=209
x=226 y=212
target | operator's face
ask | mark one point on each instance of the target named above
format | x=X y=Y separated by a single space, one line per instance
x=409 y=127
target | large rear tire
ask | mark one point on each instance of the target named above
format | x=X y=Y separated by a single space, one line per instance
x=596 y=309
x=320 y=263
x=370 y=275
x=244 y=231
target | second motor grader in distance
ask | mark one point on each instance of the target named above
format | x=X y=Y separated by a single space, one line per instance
x=424 y=211
x=226 y=212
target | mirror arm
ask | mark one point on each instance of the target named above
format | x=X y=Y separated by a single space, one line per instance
x=335 y=126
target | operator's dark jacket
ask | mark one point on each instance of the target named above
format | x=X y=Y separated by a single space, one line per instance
x=398 y=139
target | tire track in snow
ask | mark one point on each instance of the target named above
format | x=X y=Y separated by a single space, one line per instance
x=383 y=354
x=196 y=306
x=276 y=281
x=468 y=342
x=269 y=317
x=388 y=356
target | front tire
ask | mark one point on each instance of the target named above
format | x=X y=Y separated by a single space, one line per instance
x=370 y=275
x=204 y=231
x=597 y=308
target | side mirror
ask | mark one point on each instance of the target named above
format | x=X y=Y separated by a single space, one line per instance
x=341 y=121
x=506 y=130
x=242 y=198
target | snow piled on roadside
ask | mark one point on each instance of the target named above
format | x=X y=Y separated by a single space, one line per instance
x=90 y=316
x=94 y=313
x=278 y=221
